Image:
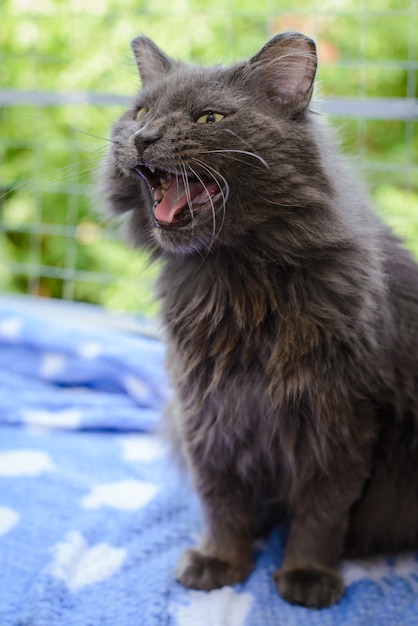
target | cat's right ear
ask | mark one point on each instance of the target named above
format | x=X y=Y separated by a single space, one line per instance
x=286 y=68
x=152 y=62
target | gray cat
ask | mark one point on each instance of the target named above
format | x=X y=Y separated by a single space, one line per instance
x=291 y=316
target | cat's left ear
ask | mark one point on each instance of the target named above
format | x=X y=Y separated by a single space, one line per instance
x=152 y=62
x=286 y=68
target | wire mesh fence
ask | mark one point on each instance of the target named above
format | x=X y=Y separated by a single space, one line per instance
x=67 y=73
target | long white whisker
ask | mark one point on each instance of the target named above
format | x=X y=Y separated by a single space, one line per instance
x=225 y=194
x=233 y=158
x=187 y=189
x=60 y=174
x=251 y=154
x=244 y=141
x=58 y=125
x=211 y=204
x=91 y=101
x=213 y=172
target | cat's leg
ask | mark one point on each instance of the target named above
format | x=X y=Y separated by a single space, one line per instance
x=309 y=575
x=224 y=554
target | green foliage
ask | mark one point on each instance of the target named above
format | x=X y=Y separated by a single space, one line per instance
x=54 y=237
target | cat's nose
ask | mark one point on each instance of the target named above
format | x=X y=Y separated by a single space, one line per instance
x=144 y=139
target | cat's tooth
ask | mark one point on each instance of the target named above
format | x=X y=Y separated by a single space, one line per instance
x=163 y=191
x=151 y=169
x=158 y=196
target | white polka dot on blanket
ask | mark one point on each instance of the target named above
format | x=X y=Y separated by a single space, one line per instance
x=90 y=349
x=143 y=448
x=381 y=570
x=79 y=565
x=126 y=495
x=8 y=519
x=68 y=418
x=10 y=328
x=51 y=364
x=406 y=566
x=221 y=606
x=24 y=463
x=374 y=569
x=136 y=388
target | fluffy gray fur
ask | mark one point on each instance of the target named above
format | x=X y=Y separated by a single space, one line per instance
x=290 y=313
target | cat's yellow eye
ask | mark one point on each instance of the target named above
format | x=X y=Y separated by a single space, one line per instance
x=210 y=117
x=141 y=114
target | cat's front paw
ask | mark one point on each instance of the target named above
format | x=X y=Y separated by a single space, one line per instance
x=198 y=571
x=315 y=588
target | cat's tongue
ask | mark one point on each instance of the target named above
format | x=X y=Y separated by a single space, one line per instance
x=177 y=197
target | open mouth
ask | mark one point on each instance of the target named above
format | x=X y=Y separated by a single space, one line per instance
x=178 y=198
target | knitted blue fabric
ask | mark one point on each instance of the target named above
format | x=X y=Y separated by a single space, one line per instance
x=92 y=514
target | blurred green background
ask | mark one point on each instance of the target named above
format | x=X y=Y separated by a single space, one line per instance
x=55 y=55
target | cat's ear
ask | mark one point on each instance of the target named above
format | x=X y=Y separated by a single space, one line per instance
x=152 y=62
x=287 y=66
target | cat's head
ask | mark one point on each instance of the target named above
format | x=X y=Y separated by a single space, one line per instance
x=206 y=155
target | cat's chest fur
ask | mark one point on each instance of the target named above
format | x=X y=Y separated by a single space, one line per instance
x=231 y=315
x=219 y=313
x=235 y=359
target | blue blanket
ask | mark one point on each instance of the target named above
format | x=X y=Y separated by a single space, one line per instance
x=92 y=514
